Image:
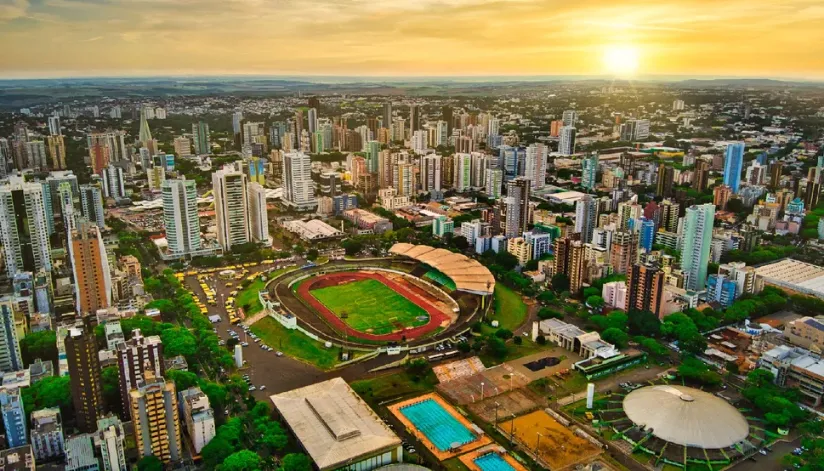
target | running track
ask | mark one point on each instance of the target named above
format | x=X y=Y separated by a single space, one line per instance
x=436 y=316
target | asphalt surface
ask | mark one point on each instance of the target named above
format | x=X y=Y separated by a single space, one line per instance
x=771 y=462
x=278 y=374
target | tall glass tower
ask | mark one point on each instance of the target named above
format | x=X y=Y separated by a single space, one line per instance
x=733 y=164
x=695 y=249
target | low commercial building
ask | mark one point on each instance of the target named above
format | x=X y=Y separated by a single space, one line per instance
x=366 y=220
x=796 y=368
x=314 y=229
x=570 y=337
x=336 y=428
x=17 y=459
x=807 y=332
x=80 y=454
x=47 y=434
x=199 y=417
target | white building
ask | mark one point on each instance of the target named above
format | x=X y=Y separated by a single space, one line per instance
x=23 y=229
x=47 y=434
x=229 y=188
x=463 y=172
x=566 y=145
x=258 y=216
x=297 y=185
x=431 y=173
x=535 y=165
x=109 y=440
x=199 y=417
x=113 y=182
x=615 y=294
x=494 y=180
x=180 y=216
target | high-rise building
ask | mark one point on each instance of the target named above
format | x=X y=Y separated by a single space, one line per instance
x=198 y=416
x=570 y=260
x=517 y=207
x=697 y=241
x=237 y=124
x=494 y=180
x=47 y=441
x=414 y=118
x=36 y=154
x=665 y=186
x=733 y=165
x=678 y=105
x=298 y=189
x=373 y=151
x=229 y=189
x=113 y=182
x=183 y=146
x=57 y=152
x=54 y=126
x=669 y=211
x=589 y=171
x=145 y=134
x=251 y=130
x=180 y=216
x=646 y=230
x=570 y=118
x=701 y=175
x=200 y=138
x=258 y=215
x=91 y=203
x=586 y=215
x=23 y=227
x=566 y=146
x=110 y=442
x=431 y=173
x=387 y=115
x=463 y=172
x=555 y=128
x=312 y=117
x=10 y=357
x=84 y=371
x=93 y=282
x=624 y=251
x=14 y=417
x=776 y=170
x=721 y=196
x=645 y=288
x=135 y=357
x=156 y=418
x=536 y=155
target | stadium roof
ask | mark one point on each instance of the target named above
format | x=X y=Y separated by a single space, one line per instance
x=686 y=416
x=468 y=274
x=333 y=424
x=799 y=276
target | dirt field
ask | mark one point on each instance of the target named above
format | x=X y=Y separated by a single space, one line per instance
x=490 y=382
x=557 y=446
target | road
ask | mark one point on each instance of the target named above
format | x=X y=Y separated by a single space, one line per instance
x=278 y=374
x=771 y=462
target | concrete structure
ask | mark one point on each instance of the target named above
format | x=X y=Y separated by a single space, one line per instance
x=314 y=229
x=10 y=357
x=645 y=285
x=258 y=214
x=796 y=368
x=231 y=203
x=110 y=443
x=200 y=138
x=80 y=454
x=573 y=339
x=697 y=239
x=521 y=249
x=468 y=274
x=615 y=294
x=156 y=420
x=794 y=275
x=180 y=217
x=134 y=358
x=566 y=145
x=14 y=417
x=337 y=428
x=516 y=205
x=298 y=189
x=807 y=332
x=733 y=165
x=92 y=275
x=23 y=228
x=198 y=416
x=84 y=371
x=17 y=459
x=47 y=434
x=113 y=182
x=442 y=225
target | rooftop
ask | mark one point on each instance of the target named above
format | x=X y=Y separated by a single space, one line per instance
x=17 y=459
x=468 y=274
x=312 y=229
x=804 y=277
x=334 y=425
x=80 y=452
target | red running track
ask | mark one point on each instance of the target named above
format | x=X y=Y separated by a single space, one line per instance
x=436 y=316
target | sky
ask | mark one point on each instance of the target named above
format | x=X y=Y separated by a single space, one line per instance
x=731 y=38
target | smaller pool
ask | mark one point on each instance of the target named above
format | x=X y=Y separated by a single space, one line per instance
x=493 y=462
x=439 y=426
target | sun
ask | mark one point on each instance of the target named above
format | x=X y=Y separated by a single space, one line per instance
x=621 y=60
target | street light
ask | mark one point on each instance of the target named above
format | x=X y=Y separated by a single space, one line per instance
x=538 y=444
x=512 y=430
x=496 y=412
x=482 y=390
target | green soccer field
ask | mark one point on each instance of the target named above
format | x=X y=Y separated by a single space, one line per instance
x=369 y=304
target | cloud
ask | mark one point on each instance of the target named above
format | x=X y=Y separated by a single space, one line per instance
x=13 y=9
x=96 y=38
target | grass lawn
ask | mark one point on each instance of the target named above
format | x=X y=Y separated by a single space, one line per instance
x=454 y=465
x=510 y=310
x=513 y=352
x=248 y=298
x=371 y=306
x=392 y=386
x=295 y=344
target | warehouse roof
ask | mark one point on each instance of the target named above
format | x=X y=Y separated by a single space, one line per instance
x=334 y=425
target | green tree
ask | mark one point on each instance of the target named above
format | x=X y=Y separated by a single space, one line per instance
x=178 y=341
x=295 y=462
x=694 y=369
x=496 y=347
x=560 y=282
x=41 y=345
x=243 y=460
x=505 y=334
x=547 y=313
x=312 y=255
x=182 y=379
x=110 y=377
x=150 y=463
x=595 y=302
x=615 y=336
x=216 y=451
x=54 y=391
x=643 y=323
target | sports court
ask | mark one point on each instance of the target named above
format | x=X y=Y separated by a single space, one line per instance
x=491 y=458
x=555 y=445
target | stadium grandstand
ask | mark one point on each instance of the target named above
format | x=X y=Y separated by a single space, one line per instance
x=468 y=274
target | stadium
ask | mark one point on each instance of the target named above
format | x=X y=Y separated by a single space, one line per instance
x=416 y=296
x=681 y=426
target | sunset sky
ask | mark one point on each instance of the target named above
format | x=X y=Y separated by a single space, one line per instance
x=752 y=38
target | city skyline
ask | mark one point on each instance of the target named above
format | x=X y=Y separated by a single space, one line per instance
x=65 y=38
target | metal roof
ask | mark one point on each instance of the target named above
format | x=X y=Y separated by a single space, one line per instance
x=468 y=274
x=333 y=424
x=686 y=416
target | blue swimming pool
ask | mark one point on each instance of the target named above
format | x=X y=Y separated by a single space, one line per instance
x=438 y=425
x=493 y=462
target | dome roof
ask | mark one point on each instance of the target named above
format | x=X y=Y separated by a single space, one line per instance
x=686 y=416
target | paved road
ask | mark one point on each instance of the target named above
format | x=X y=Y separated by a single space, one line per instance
x=278 y=374
x=771 y=462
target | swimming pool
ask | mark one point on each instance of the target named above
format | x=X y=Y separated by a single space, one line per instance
x=493 y=462
x=438 y=425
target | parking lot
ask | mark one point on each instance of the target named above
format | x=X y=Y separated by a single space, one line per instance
x=265 y=368
x=772 y=461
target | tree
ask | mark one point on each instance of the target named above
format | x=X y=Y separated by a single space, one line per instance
x=182 y=379
x=41 y=345
x=417 y=368
x=518 y=340
x=312 y=255
x=54 y=391
x=547 y=313
x=560 y=282
x=243 y=460
x=696 y=370
x=613 y=320
x=460 y=243
x=546 y=297
x=150 y=463
x=496 y=347
x=110 y=377
x=504 y=334
x=540 y=340
x=643 y=323
x=178 y=341
x=295 y=462
x=352 y=247
x=615 y=336
x=595 y=302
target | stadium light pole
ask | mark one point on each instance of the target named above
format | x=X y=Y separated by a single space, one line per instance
x=538 y=444
x=497 y=405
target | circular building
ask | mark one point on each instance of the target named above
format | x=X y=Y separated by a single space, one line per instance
x=686 y=416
